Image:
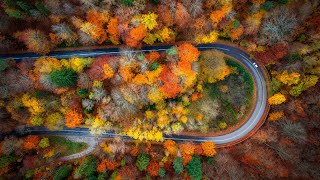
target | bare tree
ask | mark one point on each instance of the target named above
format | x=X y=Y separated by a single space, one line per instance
x=294 y=131
x=278 y=26
x=194 y=7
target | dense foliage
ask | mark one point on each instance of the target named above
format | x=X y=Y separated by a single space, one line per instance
x=194 y=168
x=62 y=172
x=143 y=162
x=64 y=77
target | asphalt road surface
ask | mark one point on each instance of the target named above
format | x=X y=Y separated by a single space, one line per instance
x=256 y=119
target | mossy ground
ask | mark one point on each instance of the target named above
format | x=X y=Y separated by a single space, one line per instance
x=65 y=146
x=234 y=102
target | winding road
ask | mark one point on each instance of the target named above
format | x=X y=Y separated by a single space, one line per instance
x=243 y=132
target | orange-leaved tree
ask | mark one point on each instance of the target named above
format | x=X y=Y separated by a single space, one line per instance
x=153 y=168
x=97 y=33
x=187 y=149
x=275 y=115
x=170 y=87
x=73 y=118
x=31 y=142
x=152 y=56
x=113 y=32
x=198 y=150
x=188 y=53
x=218 y=15
x=135 y=36
x=97 y=18
x=208 y=148
x=102 y=167
x=112 y=164
x=170 y=146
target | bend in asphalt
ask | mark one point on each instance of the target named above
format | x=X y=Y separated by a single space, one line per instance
x=237 y=135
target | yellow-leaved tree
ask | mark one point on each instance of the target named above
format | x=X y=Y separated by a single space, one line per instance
x=149 y=20
x=288 y=78
x=213 y=66
x=218 y=15
x=100 y=126
x=277 y=99
x=207 y=38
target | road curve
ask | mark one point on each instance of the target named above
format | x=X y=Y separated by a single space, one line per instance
x=252 y=124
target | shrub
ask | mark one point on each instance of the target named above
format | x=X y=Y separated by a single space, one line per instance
x=37 y=121
x=178 y=165
x=127 y=2
x=44 y=142
x=143 y=161
x=63 y=172
x=87 y=168
x=23 y=5
x=222 y=125
x=210 y=160
x=83 y=92
x=162 y=172
x=267 y=5
x=64 y=77
x=14 y=13
x=236 y=23
x=294 y=58
x=172 y=51
x=42 y=8
x=5 y=160
x=3 y=65
x=155 y=1
x=283 y=1
x=194 y=168
x=153 y=168
x=154 y=66
x=275 y=85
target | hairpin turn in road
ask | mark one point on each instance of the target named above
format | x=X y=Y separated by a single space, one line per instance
x=260 y=108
